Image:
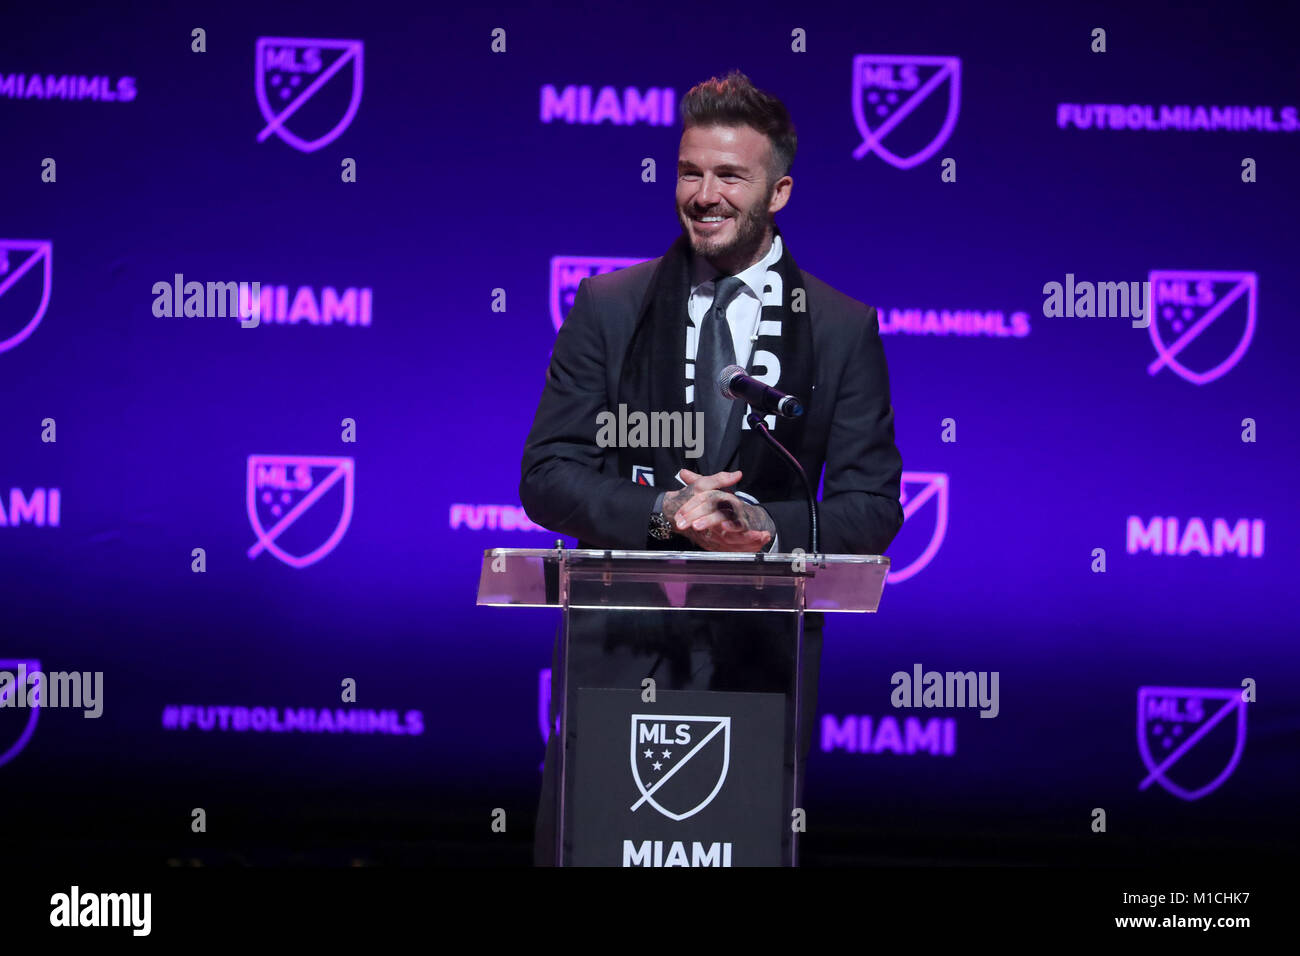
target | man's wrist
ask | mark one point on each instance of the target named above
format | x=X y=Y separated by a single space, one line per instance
x=659 y=527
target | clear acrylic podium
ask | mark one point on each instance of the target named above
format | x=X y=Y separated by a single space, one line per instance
x=672 y=770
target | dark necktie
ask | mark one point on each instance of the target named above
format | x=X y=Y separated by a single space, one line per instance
x=714 y=353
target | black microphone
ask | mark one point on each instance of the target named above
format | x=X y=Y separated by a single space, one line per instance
x=736 y=384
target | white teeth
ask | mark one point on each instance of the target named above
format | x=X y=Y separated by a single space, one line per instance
x=711 y=219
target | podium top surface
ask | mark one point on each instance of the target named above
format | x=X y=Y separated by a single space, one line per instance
x=681 y=580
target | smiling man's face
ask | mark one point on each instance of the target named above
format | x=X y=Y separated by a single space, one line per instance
x=724 y=200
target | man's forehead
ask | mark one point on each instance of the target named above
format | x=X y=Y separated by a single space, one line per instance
x=722 y=145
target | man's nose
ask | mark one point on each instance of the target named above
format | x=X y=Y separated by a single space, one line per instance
x=708 y=194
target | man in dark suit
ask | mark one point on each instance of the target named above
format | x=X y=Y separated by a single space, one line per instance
x=652 y=338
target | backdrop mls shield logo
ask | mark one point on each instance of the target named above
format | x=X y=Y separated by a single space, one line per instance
x=281 y=488
x=11 y=272
x=292 y=70
x=933 y=487
x=664 y=744
x=1180 y=316
x=889 y=89
x=567 y=273
x=1172 y=721
x=10 y=750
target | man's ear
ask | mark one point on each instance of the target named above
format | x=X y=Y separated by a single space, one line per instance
x=780 y=194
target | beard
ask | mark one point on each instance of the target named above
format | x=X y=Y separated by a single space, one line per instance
x=750 y=228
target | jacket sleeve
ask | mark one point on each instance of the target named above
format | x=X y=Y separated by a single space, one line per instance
x=860 y=511
x=561 y=485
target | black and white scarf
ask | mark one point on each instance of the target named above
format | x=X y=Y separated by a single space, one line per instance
x=654 y=378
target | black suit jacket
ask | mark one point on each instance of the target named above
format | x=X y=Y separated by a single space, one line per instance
x=572 y=486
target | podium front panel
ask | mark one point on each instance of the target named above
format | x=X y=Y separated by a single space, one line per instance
x=696 y=769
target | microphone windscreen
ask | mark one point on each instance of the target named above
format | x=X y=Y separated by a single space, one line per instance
x=726 y=377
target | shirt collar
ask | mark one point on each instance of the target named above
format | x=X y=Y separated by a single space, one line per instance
x=703 y=271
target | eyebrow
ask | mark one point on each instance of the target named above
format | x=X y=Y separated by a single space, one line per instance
x=724 y=168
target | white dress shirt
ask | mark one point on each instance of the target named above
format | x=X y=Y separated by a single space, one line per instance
x=742 y=312
x=742 y=317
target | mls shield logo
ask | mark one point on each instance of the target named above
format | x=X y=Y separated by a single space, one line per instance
x=899 y=98
x=295 y=80
x=1193 y=734
x=23 y=304
x=290 y=501
x=679 y=763
x=567 y=272
x=923 y=527
x=1198 y=318
x=643 y=475
x=17 y=720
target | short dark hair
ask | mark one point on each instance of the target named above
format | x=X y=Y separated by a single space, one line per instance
x=734 y=101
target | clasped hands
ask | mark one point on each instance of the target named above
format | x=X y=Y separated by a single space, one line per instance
x=714 y=519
